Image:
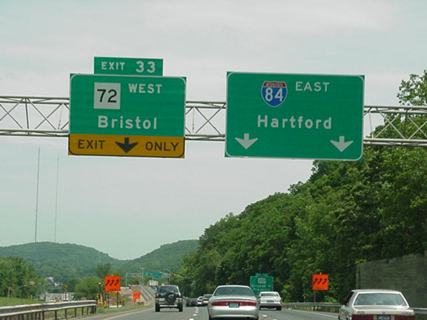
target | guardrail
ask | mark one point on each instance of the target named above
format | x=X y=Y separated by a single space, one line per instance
x=320 y=305
x=39 y=311
x=313 y=305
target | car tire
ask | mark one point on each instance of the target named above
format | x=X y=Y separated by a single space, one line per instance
x=180 y=307
x=279 y=308
x=157 y=308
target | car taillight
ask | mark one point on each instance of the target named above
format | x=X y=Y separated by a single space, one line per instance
x=362 y=317
x=157 y=295
x=241 y=303
x=405 y=317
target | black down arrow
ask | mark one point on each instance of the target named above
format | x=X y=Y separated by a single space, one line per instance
x=126 y=147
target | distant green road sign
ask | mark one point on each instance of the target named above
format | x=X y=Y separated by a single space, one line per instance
x=128 y=66
x=294 y=116
x=261 y=282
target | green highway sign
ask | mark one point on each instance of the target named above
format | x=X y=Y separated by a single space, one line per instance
x=261 y=282
x=294 y=116
x=127 y=115
x=128 y=66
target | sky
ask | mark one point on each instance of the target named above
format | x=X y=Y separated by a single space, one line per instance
x=128 y=207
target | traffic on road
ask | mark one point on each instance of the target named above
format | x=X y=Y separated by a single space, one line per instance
x=201 y=313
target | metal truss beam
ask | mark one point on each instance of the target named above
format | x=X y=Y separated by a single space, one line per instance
x=404 y=126
x=205 y=121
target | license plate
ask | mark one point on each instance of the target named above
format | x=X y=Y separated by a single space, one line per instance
x=270 y=301
x=233 y=305
x=382 y=317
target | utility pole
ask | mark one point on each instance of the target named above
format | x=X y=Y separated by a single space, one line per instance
x=37 y=195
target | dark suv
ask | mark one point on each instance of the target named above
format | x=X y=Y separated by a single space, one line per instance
x=168 y=296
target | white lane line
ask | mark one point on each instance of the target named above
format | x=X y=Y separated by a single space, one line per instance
x=319 y=313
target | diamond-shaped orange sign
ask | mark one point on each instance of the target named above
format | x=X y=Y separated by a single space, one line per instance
x=112 y=283
x=320 y=282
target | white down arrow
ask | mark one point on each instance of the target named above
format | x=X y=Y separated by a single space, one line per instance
x=246 y=142
x=341 y=144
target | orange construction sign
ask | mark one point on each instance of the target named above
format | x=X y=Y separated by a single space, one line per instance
x=320 y=282
x=112 y=283
x=136 y=296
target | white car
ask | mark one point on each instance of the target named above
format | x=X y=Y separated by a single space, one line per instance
x=200 y=301
x=373 y=304
x=233 y=301
x=270 y=299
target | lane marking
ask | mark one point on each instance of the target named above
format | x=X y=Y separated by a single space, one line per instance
x=319 y=313
x=124 y=315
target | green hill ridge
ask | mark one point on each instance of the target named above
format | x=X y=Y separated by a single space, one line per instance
x=65 y=261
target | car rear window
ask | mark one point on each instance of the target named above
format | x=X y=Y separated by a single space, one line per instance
x=382 y=299
x=233 y=291
x=164 y=289
x=269 y=294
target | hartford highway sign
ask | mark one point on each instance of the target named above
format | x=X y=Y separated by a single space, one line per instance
x=294 y=116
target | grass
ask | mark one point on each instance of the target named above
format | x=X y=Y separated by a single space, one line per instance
x=17 y=301
x=4 y=302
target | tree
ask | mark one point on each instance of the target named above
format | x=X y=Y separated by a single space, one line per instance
x=414 y=91
x=88 y=288
x=19 y=276
x=103 y=270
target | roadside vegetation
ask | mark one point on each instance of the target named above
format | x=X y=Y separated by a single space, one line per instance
x=345 y=214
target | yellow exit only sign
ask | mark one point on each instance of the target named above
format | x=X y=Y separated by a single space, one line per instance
x=124 y=145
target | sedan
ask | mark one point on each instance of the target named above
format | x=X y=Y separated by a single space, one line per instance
x=200 y=301
x=206 y=298
x=373 y=304
x=232 y=301
x=270 y=299
x=191 y=302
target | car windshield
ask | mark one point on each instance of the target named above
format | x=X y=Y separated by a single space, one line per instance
x=165 y=289
x=233 y=291
x=269 y=294
x=384 y=299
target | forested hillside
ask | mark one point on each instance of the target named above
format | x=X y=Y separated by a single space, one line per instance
x=61 y=261
x=167 y=257
x=346 y=213
x=69 y=263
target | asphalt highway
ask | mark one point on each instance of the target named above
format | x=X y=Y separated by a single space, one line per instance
x=200 y=313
